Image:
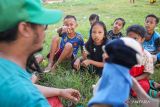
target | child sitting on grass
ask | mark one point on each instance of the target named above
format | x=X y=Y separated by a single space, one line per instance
x=67 y=47
x=115 y=84
x=152 y=41
x=93 y=55
x=115 y=33
x=142 y=71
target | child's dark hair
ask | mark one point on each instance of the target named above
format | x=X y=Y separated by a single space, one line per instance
x=94 y=17
x=123 y=21
x=105 y=32
x=70 y=16
x=138 y=29
x=154 y=16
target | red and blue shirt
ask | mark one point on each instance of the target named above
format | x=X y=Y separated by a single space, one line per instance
x=76 y=42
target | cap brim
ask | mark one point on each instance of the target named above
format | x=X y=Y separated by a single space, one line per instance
x=47 y=16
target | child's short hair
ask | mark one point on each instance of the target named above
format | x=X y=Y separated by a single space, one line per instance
x=94 y=17
x=154 y=16
x=70 y=16
x=138 y=29
x=121 y=20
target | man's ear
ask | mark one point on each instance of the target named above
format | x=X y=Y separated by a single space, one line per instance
x=24 y=29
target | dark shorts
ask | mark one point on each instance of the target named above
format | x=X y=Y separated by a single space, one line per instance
x=58 y=53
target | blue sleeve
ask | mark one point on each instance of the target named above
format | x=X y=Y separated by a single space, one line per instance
x=81 y=40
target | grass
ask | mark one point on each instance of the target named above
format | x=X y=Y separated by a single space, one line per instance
x=108 y=10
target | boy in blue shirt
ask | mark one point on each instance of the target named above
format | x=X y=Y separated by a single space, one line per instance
x=152 y=42
x=67 y=47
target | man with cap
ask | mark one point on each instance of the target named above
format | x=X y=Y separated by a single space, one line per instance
x=22 y=25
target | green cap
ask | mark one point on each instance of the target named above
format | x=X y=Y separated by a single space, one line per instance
x=14 y=11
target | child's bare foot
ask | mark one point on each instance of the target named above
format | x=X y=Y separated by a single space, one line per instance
x=47 y=69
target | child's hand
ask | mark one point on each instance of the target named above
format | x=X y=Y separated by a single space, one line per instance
x=76 y=64
x=86 y=62
x=71 y=94
x=65 y=29
x=84 y=54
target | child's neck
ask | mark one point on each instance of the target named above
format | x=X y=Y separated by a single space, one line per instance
x=71 y=35
x=99 y=43
x=115 y=31
x=150 y=32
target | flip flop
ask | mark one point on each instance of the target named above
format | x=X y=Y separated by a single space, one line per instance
x=153 y=93
x=151 y=82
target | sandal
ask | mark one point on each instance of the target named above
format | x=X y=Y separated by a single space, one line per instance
x=154 y=93
x=151 y=82
x=152 y=85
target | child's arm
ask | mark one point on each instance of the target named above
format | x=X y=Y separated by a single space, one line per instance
x=59 y=30
x=62 y=30
x=70 y=94
x=148 y=67
x=87 y=62
x=141 y=94
x=143 y=76
x=77 y=63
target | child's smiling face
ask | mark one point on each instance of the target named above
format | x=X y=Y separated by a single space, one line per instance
x=97 y=34
x=71 y=25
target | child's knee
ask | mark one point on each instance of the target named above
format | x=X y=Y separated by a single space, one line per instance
x=68 y=46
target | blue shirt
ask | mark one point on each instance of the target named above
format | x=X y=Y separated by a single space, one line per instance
x=76 y=42
x=114 y=86
x=16 y=88
x=150 y=45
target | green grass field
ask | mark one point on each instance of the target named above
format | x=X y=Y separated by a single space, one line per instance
x=108 y=10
